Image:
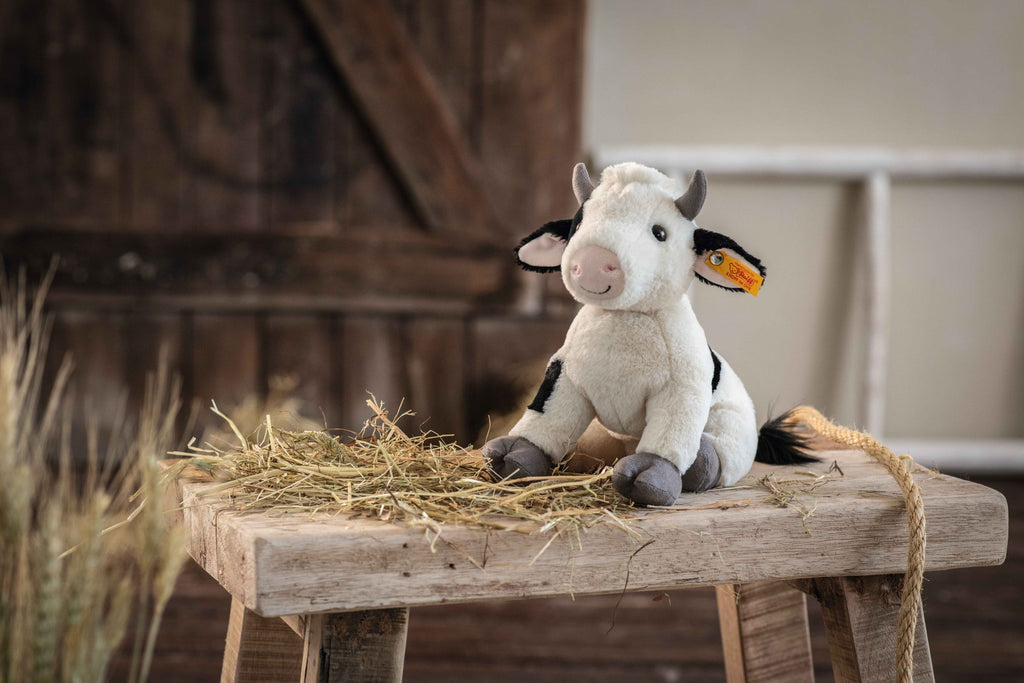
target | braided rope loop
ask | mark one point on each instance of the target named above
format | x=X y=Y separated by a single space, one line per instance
x=900 y=469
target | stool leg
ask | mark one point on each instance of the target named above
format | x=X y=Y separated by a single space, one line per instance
x=259 y=649
x=355 y=646
x=764 y=633
x=860 y=621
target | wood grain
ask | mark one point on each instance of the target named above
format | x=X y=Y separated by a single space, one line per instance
x=220 y=270
x=288 y=565
x=407 y=113
x=357 y=647
x=765 y=635
x=860 y=621
x=259 y=650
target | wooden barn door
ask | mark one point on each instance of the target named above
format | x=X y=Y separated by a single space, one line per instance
x=327 y=189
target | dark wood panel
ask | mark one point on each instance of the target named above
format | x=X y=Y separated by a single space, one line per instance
x=254 y=270
x=446 y=35
x=148 y=340
x=405 y=110
x=530 y=99
x=226 y=363
x=85 y=108
x=95 y=344
x=301 y=347
x=301 y=115
x=226 y=53
x=155 y=38
x=373 y=361
x=436 y=362
x=370 y=193
x=26 y=173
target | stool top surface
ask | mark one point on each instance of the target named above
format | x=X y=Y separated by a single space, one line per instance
x=843 y=520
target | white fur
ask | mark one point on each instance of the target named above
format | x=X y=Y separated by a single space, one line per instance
x=640 y=362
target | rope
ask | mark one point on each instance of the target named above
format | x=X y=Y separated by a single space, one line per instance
x=900 y=468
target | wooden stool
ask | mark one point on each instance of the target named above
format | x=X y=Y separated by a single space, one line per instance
x=345 y=585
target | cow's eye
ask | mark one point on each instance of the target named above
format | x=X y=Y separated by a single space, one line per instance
x=659 y=233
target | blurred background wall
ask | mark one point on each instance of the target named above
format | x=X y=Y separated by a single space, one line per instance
x=874 y=73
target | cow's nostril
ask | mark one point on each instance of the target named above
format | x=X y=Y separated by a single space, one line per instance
x=609 y=268
x=576 y=270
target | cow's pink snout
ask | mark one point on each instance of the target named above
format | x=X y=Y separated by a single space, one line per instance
x=597 y=272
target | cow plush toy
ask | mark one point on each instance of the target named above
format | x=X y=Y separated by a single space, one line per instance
x=635 y=357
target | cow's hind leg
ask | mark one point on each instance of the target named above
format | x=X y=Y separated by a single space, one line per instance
x=731 y=429
x=705 y=470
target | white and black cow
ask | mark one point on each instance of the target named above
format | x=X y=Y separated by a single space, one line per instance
x=635 y=357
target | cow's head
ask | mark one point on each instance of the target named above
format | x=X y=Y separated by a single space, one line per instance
x=632 y=245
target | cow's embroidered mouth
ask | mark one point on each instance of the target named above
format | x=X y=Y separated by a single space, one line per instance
x=606 y=290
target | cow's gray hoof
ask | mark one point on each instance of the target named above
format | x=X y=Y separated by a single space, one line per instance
x=513 y=457
x=705 y=470
x=647 y=479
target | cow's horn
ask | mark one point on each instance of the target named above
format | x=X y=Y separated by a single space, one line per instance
x=691 y=201
x=581 y=185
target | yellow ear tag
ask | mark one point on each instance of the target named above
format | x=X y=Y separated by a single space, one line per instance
x=736 y=271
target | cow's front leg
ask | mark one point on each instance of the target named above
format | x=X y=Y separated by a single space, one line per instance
x=551 y=425
x=672 y=444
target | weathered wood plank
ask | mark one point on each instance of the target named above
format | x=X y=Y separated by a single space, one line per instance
x=357 y=647
x=259 y=650
x=234 y=269
x=765 y=634
x=860 y=620
x=858 y=528
x=410 y=118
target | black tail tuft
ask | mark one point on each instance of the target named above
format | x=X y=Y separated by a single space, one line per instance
x=780 y=444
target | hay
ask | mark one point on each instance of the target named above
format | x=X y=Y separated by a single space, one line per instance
x=385 y=473
x=797 y=494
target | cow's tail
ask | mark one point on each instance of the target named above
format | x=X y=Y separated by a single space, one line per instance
x=781 y=442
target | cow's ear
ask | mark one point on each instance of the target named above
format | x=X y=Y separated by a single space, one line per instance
x=542 y=250
x=723 y=263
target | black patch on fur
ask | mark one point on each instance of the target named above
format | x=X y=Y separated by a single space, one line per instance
x=547 y=386
x=779 y=443
x=718 y=369
x=706 y=240
x=563 y=229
